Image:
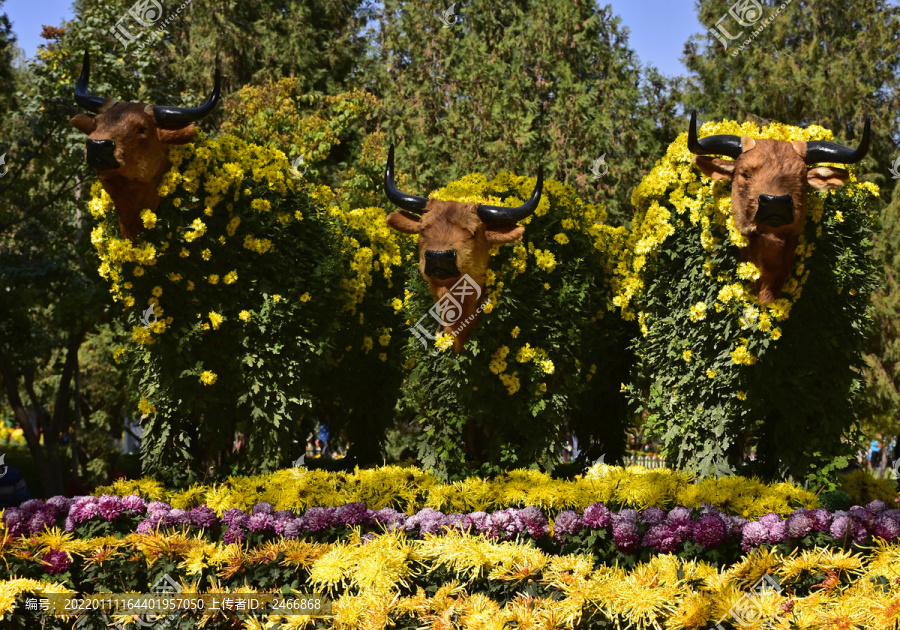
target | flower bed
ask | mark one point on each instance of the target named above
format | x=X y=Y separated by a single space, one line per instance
x=459 y=580
x=395 y=548
x=411 y=489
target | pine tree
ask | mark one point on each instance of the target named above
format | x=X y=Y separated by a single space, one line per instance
x=509 y=86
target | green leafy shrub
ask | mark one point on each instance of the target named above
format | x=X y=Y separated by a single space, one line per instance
x=718 y=372
x=547 y=354
x=254 y=280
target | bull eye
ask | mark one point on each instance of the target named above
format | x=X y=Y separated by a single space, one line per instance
x=746 y=177
x=142 y=130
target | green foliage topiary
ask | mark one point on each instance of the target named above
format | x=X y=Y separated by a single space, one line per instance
x=256 y=287
x=547 y=354
x=718 y=371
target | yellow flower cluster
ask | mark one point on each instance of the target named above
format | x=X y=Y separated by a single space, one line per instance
x=410 y=489
x=370 y=580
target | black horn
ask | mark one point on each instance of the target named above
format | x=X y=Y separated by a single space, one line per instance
x=722 y=144
x=495 y=215
x=411 y=203
x=87 y=100
x=170 y=116
x=824 y=151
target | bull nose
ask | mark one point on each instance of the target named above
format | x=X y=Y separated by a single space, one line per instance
x=775 y=211
x=441 y=264
x=101 y=154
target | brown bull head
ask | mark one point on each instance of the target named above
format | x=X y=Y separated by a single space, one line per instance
x=768 y=193
x=128 y=146
x=455 y=239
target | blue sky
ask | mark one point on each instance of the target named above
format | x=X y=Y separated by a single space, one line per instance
x=658 y=29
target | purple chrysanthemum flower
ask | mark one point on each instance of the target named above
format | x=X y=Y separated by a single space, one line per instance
x=367 y=537
x=56 y=561
x=32 y=506
x=532 y=520
x=710 y=530
x=263 y=507
x=261 y=522
x=887 y=526
x=84 y=509
x=391 y=518
x=877 y=506
x=426 y=521
x=16 y=521
x=862 y=515
x=202 y=517
x=679 y=515
x=845 y=525
x=775 y=526
x=59 y=505
x=799 y=523
x=652 y=516
x=351 y=514
x=70 y=524
x=134 y=503
x=290 y=529
x=754 y=535
x=567 y=522
x=662 y=538
x=821 y=519
x=284 y=515
x=625 y=535
x=110 y=506
x=316 y=519
x=235 y=517
x=458 y=522
x=40 y=521
x=176 y=518
x=597 y=516
x=234 y=535
x=159 y=506
x=504 y=524
x=481 y=522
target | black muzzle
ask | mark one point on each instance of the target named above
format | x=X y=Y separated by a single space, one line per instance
x=101 y=154
x=441 y=265
x=775 y=211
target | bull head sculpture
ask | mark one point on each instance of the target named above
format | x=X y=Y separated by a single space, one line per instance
x=768 y=193
x=128 y=145
x=455 y=238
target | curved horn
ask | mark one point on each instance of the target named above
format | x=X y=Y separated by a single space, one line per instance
x=494 y=215
x=411 y=203
x=824 y=151
x=170 y=116
x=88 y=101
x=723 y=144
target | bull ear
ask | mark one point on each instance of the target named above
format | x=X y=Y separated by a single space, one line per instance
x=175 y=136
x=827 y=177
x=716 y=168
x=499 y=234
x=405 y=222
x=83 y=123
